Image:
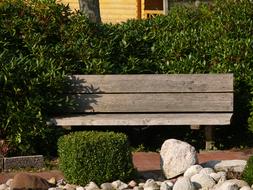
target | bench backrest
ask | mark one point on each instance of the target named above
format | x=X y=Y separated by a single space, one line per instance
x=157 y=93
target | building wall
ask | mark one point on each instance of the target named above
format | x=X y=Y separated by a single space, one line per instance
x=115 y=11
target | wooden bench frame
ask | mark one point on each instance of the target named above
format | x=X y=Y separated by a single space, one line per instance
x=151 y=99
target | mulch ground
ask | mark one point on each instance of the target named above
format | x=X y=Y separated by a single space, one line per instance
x=150 y=162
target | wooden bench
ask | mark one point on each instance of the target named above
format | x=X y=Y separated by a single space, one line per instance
x=152 y=99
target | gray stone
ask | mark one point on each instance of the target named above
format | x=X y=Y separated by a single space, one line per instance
x=106 y=186
x=9 y=182
x=202 y=181
x=91 y=186
x=215 y=176
x=52 y=181
x=192 y=170
x=3 y=187
x=151 y=185
x=138 y=188
x=80 y=188
x=36 y=161
x=176 y=157
x=183 y=183
x=61 y=182
x=227 y=186
x=69 y=187
x=132 y=184
x=245 y=188
x=119 y=185
x=166 y=185
x=29 y=181
x=223 y=177
x=206 y=171
x=226 y=165
x=239 y=183
x=141 y=184
x=55 y=188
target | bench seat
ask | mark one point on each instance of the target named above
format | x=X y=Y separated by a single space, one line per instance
x=144 y=119
x=150 y=100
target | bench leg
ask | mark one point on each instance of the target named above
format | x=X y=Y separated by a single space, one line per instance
x=209 y=134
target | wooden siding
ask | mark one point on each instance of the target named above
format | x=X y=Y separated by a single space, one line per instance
x=115 y=11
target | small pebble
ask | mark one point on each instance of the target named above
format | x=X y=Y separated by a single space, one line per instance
x=3 y=187
x=132 y=184
x=106 y=186
x=9 y=182
x=80 y=188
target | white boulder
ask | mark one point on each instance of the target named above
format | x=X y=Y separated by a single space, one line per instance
x=176 y=157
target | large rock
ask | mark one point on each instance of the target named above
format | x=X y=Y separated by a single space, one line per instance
x=176 y=157
x=27 y=181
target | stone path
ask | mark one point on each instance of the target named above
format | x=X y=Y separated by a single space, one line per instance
x=150 y=162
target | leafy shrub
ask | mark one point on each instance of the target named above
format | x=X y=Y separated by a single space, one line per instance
x=31 y=90
x=248 y=171
x=95 y=156
x=32 y=75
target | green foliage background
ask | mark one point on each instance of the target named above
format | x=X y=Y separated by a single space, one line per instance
x=42 y=42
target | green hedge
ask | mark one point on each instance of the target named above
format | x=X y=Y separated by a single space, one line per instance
x=31 y=82
x=95 y=156
x=247 y=174
x=212 y=38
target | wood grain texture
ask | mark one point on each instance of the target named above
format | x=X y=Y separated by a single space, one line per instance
x=143 y=119
x=158 y=102
x=152 y=83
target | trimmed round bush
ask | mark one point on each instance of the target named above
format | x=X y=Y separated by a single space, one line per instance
x=248 y=171
x=95 y=156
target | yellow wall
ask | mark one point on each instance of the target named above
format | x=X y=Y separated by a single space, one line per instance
x=114 y=11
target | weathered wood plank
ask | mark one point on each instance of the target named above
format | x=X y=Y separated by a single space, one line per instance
x=158 y=102
x=143 y=119
x=152 y=83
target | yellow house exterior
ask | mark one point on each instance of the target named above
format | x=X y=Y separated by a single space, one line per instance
x=116 y=11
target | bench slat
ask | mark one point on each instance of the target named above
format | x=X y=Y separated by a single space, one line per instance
x=160 y=102
x=143 y=119
x=152 y=83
